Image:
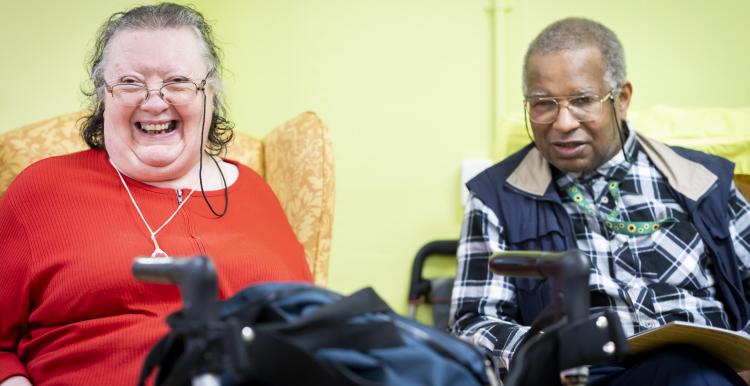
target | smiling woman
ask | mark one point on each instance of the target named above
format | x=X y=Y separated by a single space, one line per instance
x=70 y=226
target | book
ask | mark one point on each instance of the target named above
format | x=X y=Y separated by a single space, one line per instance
x=732 y=347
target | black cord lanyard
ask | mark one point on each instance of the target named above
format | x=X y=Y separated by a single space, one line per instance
x=200 y=168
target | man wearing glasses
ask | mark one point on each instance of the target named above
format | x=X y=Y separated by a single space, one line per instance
x=665 y=230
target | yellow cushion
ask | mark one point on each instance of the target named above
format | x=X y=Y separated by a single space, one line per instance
x=720 y=131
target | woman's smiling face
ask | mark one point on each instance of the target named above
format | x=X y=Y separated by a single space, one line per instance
x=155 y=141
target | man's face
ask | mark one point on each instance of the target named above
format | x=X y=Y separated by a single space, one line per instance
x=568 y=144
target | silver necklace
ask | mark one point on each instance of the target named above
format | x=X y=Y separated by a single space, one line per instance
x=158 y=252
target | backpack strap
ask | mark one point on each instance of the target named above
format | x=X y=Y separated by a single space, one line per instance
x=359 y=303
x=331 y=325
x=180 y=353
x=155 y=357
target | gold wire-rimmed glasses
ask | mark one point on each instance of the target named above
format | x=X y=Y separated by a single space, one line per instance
x=584 y=108
x=175 y=93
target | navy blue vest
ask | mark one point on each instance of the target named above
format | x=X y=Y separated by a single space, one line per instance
x=534 y=222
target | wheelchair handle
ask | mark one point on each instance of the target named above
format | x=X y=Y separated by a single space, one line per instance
x=568 y=271
x=195 y=277
x=419 y=286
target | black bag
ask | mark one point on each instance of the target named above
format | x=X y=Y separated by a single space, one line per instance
x=298 y=334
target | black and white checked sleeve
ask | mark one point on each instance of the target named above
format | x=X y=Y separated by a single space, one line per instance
x=483 y=306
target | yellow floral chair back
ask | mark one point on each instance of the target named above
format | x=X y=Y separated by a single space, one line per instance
x=295 y=159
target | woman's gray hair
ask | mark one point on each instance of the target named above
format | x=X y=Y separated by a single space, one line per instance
x=155 y=17
x=573 y=33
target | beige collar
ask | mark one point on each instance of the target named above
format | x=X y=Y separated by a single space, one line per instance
x=533 y=175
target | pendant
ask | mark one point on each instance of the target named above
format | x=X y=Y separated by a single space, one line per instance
x=159 y=253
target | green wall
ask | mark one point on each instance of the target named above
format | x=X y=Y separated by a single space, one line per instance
x=408 y=89
x=43 y=46
x=403 y=87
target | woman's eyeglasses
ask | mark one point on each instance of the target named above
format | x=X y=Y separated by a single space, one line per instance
x=175 y=93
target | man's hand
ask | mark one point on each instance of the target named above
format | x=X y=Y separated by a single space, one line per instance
x=16 y=381
x=745 y=375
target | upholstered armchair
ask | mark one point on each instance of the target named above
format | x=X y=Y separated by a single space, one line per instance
x=295 y=159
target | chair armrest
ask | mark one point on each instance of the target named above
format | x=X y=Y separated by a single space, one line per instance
x=299 y=169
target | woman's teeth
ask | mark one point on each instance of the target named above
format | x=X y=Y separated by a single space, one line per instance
x=157 y=128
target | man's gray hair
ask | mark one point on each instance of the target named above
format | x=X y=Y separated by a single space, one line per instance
x=155 y=17
x=573 y=33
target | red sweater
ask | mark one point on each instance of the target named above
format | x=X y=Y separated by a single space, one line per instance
x=71 y=313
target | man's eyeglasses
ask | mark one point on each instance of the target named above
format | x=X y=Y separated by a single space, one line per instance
x=175 y=93
x=584 y=108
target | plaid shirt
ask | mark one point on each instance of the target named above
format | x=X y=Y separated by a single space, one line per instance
x=648 y=280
